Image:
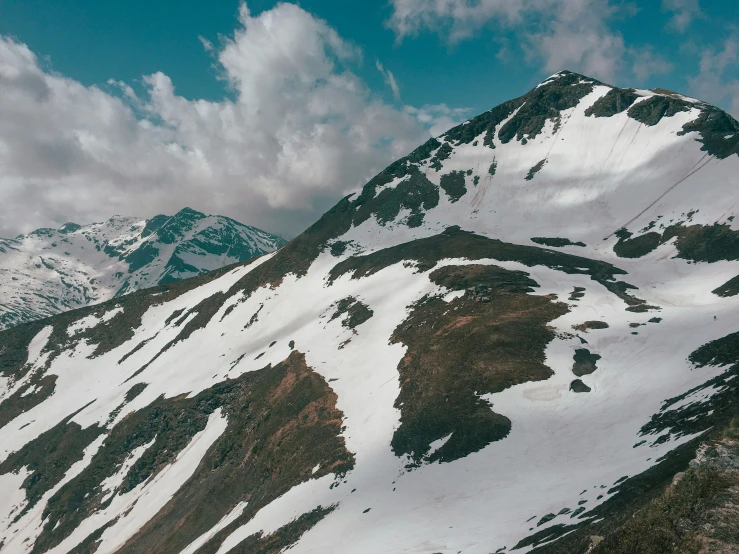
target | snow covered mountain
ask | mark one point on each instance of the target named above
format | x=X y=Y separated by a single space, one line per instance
x=524 y=335
x=50 y=271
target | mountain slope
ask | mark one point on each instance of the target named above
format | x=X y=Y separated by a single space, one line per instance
x=513 y=338
x=49 y=271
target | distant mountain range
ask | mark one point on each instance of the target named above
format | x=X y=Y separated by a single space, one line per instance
x=53 y=270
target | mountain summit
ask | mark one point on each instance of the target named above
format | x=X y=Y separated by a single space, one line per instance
x=524 y=335
x=53 y=270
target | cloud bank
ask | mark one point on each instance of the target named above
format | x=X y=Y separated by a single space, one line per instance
x=300 y=130
x=556 y=34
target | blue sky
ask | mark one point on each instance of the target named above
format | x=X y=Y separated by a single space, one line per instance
x=269 y=112
x=93 y=41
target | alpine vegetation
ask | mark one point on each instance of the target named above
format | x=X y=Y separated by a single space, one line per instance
x=524 y=336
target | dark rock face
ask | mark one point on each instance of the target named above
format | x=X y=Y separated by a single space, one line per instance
x=585 y=362
x=578 y=386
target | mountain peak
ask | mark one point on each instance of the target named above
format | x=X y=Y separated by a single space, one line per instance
x=524 y=329
x=189 y=213
x=69 y=227
x=49 y=271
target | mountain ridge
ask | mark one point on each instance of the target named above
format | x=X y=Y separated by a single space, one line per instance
x=48 y=270
x=510 y=339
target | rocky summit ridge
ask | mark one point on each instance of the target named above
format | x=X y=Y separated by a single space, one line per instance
x=523 y=336
x=49 y=271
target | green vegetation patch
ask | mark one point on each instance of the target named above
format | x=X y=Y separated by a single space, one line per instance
x=285 y=537
x=455 y=243
x=536 y=169
x=33 y=392
x=699 y=416
x=544 y=103
x=48 y=457
x=14 y=343
x=453 y=184
x=414 y=193
x=613 y=102
x=653 y=109
x=357 y=311
x=91 y=542
x=134 y=391
x=585 y=362
x=578 y=386
x=637 y=247
x=555 y=242
x=483 y=123
x=577 y=293
x=282 y=423
x=461 y=350
x=423 y=152
x=729 y=288
x=339 y=247
x=685 y=503
x=704 y=243
x=443 y=153
x=697 y=243
x=586 y=325
x=719 y=132
x=696 y=514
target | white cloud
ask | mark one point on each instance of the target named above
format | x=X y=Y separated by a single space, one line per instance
x=560 y=34
x=683 y=13
x=438 y=118
x=461 y=18
x=648 y=63
x=301 y=130
x=389 y=79
x=715 y=82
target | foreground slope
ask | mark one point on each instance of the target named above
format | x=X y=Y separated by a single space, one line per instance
x=53 y=270
x=515 y=337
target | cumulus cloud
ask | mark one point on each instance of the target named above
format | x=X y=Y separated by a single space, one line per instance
x=683 y=13
x=300 y=130
x=389 y=79
x=648 y=63
x=572 y=34
x=715 y=81
x=461 y=19
x=438 y=118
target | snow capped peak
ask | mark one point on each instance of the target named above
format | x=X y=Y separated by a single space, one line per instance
x=53 y=270
x=511 y=339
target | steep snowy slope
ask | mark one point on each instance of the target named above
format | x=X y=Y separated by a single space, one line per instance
x=49 y=271
x=512 y=338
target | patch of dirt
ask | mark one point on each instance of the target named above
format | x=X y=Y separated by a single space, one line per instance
x=585 y=326
x=282 y=539
x=358 y=312
x=585 y=362
x=536 y=169
x=729 y=288
x=653 y=109
x=556 y=242
x=613 y=102
x=463 y=349
x=48 y=457
x=282 y=422
x=697 y=243
x=453 y=185
x=578 y=386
